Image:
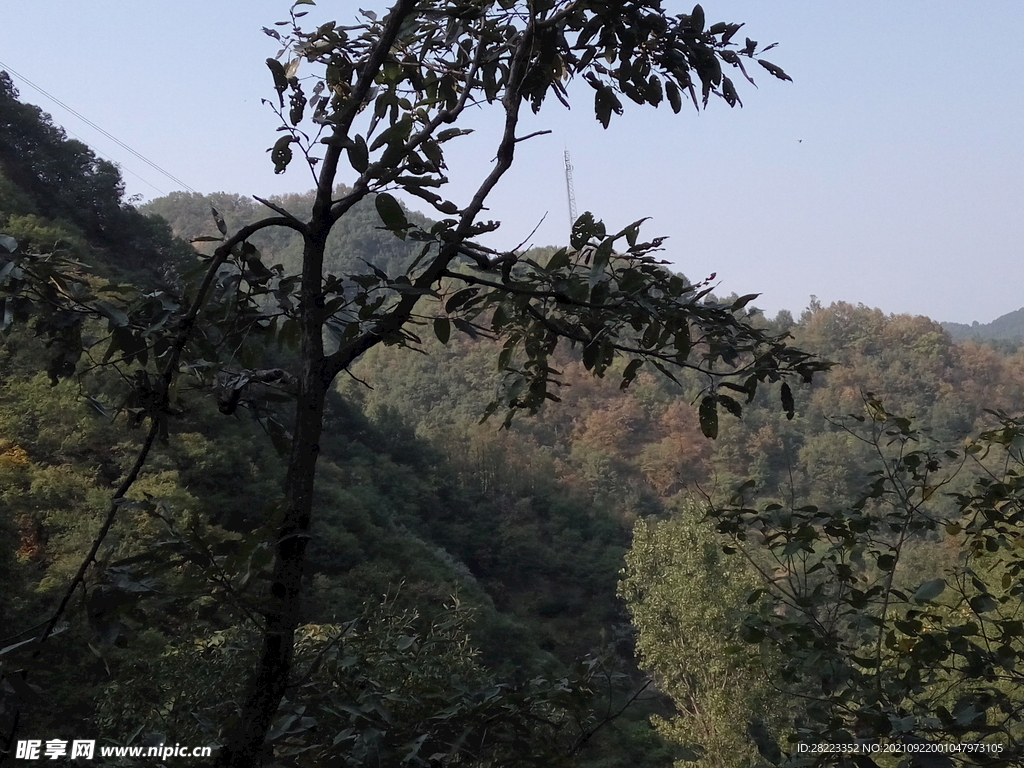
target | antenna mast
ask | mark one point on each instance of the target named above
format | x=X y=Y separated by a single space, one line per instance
x=569 y=192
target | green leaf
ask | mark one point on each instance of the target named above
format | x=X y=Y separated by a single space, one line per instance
x=358 y=155
x=559 y=261
x=983 y=603
x=730 y=405
x=708 y=413
x=220 y=220
x=460 y=298
x=929 y=590
x=451 y=133
x=442 y=329
x=630 y=373
x=742 y=301
x=117 y=318
x=391 y=213
x=280 y=79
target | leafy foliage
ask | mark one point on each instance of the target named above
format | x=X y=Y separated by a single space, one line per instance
x=894 y=618
x=382 y=96
x=686 y=602
x=385 y=687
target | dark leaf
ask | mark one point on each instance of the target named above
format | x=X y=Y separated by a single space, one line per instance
x=763 y=739
x=742 y=301
x=730 y=405
x=983 y=603
x=450 y=133
x=97 y=406
x=391 y=213
x=442 y=329
x=460 y=298
x=675 y=99
x=280 y=78
x=220 y=221
x=788 y=404
x=606 y=102
x=117 y=318
x=708 y=413
x=630 y=373
x=697 y=19
x=281 y=153
x=559 y=261
x=585 y=228
x=466 y=327
x=929 y=590
x=777 y=71
x=358 y=155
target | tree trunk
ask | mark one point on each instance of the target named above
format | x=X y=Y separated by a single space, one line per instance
x=245 y=745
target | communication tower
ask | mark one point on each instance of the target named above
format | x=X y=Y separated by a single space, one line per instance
x=569 y=192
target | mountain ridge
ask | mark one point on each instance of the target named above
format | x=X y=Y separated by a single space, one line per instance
x=1008 y=327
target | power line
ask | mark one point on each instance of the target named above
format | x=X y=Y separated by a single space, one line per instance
x=90 y=123
x=118 y=165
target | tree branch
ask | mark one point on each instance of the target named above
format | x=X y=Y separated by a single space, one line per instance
x=397 y=317
x=181 y=339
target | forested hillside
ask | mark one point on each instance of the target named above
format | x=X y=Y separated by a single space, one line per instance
x=589 y=467
x=361 y=238
x=404 y=541
x=503 y=592
x=1008 y=328
x=55 y=194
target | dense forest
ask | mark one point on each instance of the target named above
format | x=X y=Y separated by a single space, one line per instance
x=598 y=584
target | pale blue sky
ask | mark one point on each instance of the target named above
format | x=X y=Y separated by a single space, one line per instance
x=890 y=172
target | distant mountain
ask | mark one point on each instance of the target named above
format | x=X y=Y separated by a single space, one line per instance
x=1009 y=327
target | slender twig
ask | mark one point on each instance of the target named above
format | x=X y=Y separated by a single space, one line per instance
x=584 y=738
